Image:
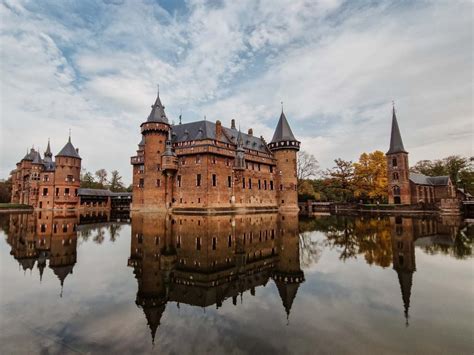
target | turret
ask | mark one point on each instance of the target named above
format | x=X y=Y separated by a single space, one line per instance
x=239 y=161
x=398 y=168
x=67 y=176
x=155 y=132
x=285 y=147
x=169 y=165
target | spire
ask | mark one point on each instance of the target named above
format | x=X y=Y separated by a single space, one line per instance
x=287 y=293
x=396 y=143
x=37 y=158
x=157 y=113
x=48 y=153
x=283 y=131
x=405 y=279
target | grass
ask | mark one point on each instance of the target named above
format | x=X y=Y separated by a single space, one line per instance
x=14 y=206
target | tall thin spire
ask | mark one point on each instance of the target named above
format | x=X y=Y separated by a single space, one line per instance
x=396 y=143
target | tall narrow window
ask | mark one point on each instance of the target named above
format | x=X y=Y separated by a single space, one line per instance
x=198 y=243
x=265 y=184
x=214 y=180
x=250 y=183
x=229 y=181
x=394 y=162
x=214 y=243
x=141 y=183
x=271 y=170
x=271 y=185
x=198 y=180
x=229 y=241
x=243 y=183
x=158 y=183
x=179 y=180
x=259 y=184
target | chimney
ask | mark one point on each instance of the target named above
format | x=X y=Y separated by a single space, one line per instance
x=250 y=133
x=218 y=130
x=77 y=150
x=232 y=124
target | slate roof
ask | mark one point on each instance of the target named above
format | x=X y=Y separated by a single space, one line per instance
x=68 y=151
x=396 y=143
x=37 y=158
x=421 y=179
x=30 y=155
x=283 y=131
x=157 y=113
x=200 y=130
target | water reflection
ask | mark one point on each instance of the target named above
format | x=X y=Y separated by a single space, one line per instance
x=203 y=260
x=219 y=261
x=52 y=237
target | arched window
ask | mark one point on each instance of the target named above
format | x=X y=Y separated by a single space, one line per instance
x=395 y=176
x=396 y=190
x=394 y=162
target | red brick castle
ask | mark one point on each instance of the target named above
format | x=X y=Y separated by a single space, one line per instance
x=204 y=165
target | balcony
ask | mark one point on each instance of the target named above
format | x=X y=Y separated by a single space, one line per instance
x=137 y=160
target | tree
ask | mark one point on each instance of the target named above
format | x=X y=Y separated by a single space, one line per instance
x=370 y=176
x=307 y=166
x=6 y=190
x=306 y=191
x=102 y=177
x=116 y=183
x=341 y=177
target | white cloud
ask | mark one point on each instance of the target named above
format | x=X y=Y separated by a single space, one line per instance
x=335 y=65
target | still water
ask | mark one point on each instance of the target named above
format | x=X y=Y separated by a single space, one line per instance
x=261 y=283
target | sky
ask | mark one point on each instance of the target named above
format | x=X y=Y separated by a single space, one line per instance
x=93 y=67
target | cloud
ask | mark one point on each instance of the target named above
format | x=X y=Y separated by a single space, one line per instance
x=93 y=67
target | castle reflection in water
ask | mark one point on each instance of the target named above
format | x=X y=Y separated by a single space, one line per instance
x=203 y=260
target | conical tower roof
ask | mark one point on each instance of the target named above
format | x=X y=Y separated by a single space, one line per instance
x=47 y=153
x=37 y=158
x=153 y=316
x=30 y=155
x=287 y=293
x=68 y=151
x=283 y=131
x=396 y=143
x=405 y=278
x=157 y=113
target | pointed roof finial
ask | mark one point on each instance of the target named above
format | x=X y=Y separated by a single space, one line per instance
x=158 y=89
x=396 y=143
x=180 y=115
x=281 y=106
x=69 y=136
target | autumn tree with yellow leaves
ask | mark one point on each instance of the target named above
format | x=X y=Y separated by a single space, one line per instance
x=370 y=177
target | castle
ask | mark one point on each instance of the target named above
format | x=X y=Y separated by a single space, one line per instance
x=405 y=187
x=44 y=183
x=203 y=165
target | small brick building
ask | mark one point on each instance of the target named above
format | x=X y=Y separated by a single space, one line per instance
x=409 y=188
x=204 y=165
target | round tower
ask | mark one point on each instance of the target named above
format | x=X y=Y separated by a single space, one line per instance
x=67 y=176
x=285 y=148
x=155 y=131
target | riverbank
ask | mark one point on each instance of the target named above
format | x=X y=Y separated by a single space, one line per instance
x=15 y=207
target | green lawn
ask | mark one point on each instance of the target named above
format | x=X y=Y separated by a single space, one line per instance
x=14 y=206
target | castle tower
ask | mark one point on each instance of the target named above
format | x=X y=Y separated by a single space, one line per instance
x=285 y=147
x=398 y=168
x=155 y=132
x=288 y=274
x=403 y=253
x=169 y=165
x=67 y=177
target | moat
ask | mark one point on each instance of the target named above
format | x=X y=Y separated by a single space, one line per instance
x=256 y=283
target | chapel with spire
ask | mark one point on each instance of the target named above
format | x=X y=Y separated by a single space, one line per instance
x=407 y=188
x=204 y=165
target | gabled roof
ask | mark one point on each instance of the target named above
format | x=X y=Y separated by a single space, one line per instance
x=68 y=151
x=157 y=113
x=421 y=179
x=396 y=143
x=283 y=131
